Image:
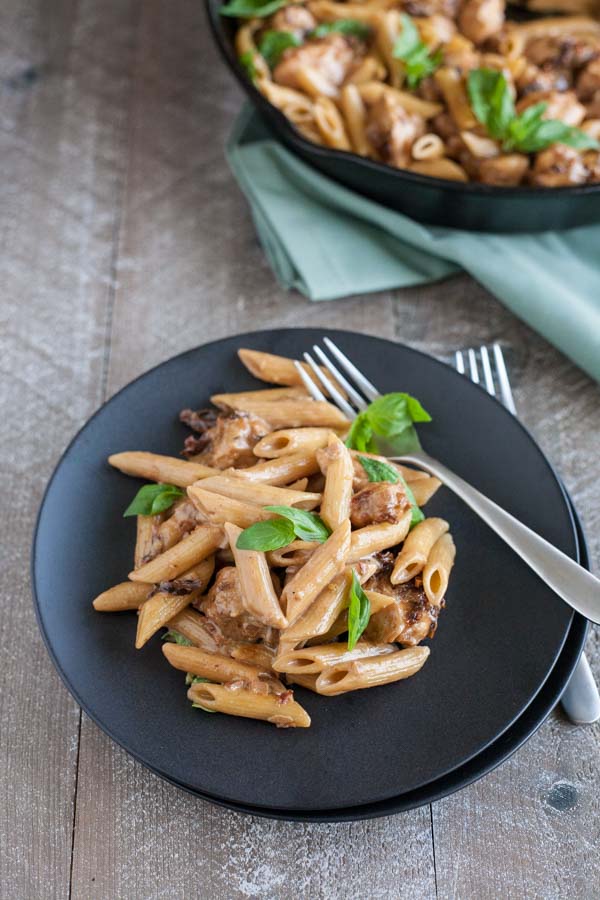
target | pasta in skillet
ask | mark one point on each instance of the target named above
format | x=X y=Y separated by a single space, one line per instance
x=444 y=88
x=280 y=550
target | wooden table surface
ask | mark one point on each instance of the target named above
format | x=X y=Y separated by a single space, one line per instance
x=125 y=241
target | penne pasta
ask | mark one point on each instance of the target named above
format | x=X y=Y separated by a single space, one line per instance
x=278 y=369
x=296 y=413
x=326 y=562
x=371 y=671
x=371 y=91
x=230 y=401
x=440 y=168
x=195 y=546
x=147 y=542
x=292 y=440
x=355 y=115
x=312 y=660
x=337 y=493
x=157 y=611
x=197 y=629
x=166 y=469
x=411 y=559
x=436 y=572
x=452 y=85
x=182 y=520
x=294 y=554
x=126 y=595
x=219 y=509
x=254 y=492
x=321 y=614
x=428 y=147
x=424 y=488
x=256 y=584
x=278 y=709
x=280 y=471
x=329 y=122
x=255 y=654
x=214 y=666
x=375 y=538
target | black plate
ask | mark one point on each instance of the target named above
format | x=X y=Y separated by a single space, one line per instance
x=471 y=206
x=484 y=669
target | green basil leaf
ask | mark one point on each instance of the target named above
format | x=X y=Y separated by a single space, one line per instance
x=203 y=708
x=194 y=679
x=417 y=514
x=308 y=526
x=348 y=27
x=249 y=9
x=391 y=414
x=552 y=131
x=379 y=471
x=491 y=100
x=269 y=535
x=409 y=39
x=360 y=436
x=274 y=43
x=174 y=637
x=359 y=612
x=152 y=499
x=419 y=61
x=246 y=61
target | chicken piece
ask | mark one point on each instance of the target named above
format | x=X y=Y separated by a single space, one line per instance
x=562 y=105
x=558 y=166
x=481 y=19
x=224 y=606
x=423 y=8
x=296 y=19
x=444 y=125
x=381 y=501
x=559 y=52
x=533 y=79
x=228 y=442
x=591 y=160
x=392 y=130
x=408 y=620
x=331 y=57
x=507 y=170
x=588 y=83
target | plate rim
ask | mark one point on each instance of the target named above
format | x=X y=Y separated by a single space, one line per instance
x=231 y=803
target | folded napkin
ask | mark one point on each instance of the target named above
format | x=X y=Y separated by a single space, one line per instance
x=328 y=242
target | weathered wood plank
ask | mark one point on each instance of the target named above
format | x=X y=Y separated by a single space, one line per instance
x=60 y=131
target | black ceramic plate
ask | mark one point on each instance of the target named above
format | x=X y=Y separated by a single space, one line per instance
x=472 y=206
x=363 y=748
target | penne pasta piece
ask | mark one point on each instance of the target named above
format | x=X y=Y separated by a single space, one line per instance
x=314 y=83
x=452 y=85
x=156 y=611
x=329 y=121
x=424 y=489
x=370 y=69
x=306 y=681
x=312 y=660
x=374 y=538
x=299 y=485
x=147 y=542
x=326 y=562
x=197 y=629
x=255 y=654
x=412 y=557
x=280 y=471
x=219 y=509
x=371 y=672
x=291 y=440
x=371 y=91
x=558 y=26
x=296 y=413
x=154 y=467
x=337 y=493
x=195 y=546
x=126 y=595
x=329 y=10
x=256 y=584
x=320 y=615
x=479 y=146
x=258 y=494
x=230 y=401
x=378 y=602
x=387 y=31
x=278 y=369
x=428 y=147
x=355 y=115
x=183 y=519
x=294 y=554
x=196 y=578
x=436 y=572
x=214 y=666
x=278 y=709
x=439 y=168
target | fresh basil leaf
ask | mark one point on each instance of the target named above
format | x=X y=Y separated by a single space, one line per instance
x=419 y=61
x=308 y=526
x=360 y=436
x=174 y=637
x=379 y=471
x=348 y=27
x=152 y=499
x=195 y=679
x=249 y=9
x=491 y=100
x=391 y=414
x=551 y=131
x=269 y=535
x=359 y=612
x=274 y=43
x=203 y=708
x=246 y=61
x=417 y=514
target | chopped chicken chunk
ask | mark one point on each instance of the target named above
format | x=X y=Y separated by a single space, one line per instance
x=424 y=8
x=379 y=502
x=559 y=52
x=330 y=57
x=228 y=441
x=558 y=166
x=588 y=83
x=409 y=619
x=224 y=606
x=507 y=170
x=533 y=79
x=392 y=130
x=481 y=19
x=591 y=160
x=562 y=105
x=296 y=19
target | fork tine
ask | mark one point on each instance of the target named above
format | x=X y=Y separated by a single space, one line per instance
x=505 y=389
x=459 y=362
x=309 y=384
x=330 y=387
x=473 y=370
x=487 y=371
x=358 y=401
x=363 y=383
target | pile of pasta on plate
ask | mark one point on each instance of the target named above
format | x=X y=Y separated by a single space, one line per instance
x=282 y=550
x=444 y=88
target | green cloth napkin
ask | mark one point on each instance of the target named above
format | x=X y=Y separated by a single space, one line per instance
x=328 y=242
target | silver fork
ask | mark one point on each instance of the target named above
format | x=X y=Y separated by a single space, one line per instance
x=580 y=699
x=574 y=584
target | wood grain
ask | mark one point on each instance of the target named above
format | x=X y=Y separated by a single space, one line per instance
x=124 y=241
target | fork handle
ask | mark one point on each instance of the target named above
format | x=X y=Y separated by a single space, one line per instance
x=574 y=584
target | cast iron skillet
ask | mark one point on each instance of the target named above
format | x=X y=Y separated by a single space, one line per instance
x=436 y=201
x=498 y=642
